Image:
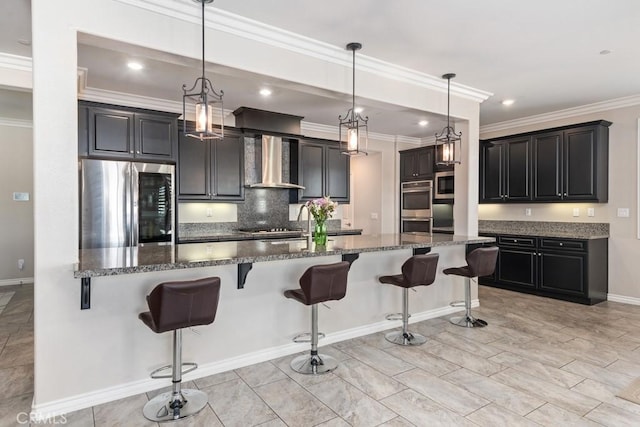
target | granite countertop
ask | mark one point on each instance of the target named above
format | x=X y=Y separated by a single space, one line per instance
x=563 y=230
x=223 y=236
x=115 y=261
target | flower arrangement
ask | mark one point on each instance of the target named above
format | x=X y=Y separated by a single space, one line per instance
x=321 y=209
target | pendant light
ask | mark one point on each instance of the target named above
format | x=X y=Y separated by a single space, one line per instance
x=205 y=100
x=448 y=141
x=353 y=127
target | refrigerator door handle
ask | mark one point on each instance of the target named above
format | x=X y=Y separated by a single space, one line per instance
x=133 y=203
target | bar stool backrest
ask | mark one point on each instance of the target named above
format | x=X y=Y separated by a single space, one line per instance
x=482 y=261
x=420 y=270
x=325 y=282
x=177 y=305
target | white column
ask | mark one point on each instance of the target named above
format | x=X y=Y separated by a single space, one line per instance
x=465 y=208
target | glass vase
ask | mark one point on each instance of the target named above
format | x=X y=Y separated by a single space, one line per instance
x=320 y=233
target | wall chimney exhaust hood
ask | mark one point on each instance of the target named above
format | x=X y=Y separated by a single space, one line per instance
x=272 y=165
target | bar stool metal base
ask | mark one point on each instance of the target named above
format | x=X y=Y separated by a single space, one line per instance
x=405 y=338
x=316 y=364
x=165 y=408
x=468 y=322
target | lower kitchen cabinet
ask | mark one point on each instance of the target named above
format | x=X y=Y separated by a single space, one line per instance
x=569 y=269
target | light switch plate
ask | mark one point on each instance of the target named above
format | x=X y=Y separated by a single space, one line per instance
x=527 y=212
x=623 y=212
x=591 y=212
x=576 y=211
x=21 y=197
x=374 y=215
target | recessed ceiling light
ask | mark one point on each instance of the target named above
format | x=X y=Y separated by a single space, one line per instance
x=265 y=92
x=135 y=65
x=358 y=110
x=605 y=52
x=423 y=123
x=508 y=102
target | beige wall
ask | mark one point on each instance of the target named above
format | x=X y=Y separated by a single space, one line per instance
x=624 y=246
x=16 y=218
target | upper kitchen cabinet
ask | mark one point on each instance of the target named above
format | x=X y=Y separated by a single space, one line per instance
x=417 y=164
x=109 y=131
x=572 y=164
x=211 y=170
x=568 y=164
x=505 y=170
x=321 y=168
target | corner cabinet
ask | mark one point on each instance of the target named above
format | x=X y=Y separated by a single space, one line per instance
x=569 y=164
x=109 y=131
x=417 y=164
x=569 y=269
x=321 y=168
x=211 y=170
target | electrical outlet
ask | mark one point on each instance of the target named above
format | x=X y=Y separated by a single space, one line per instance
x=623 y=212
x=527 y=212
x=209 y=212
x=576 y=211
x=20 y=264
x=591 y=212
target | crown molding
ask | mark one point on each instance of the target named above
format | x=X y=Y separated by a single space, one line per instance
x=15 y=62
x=613 y=104
x=251 y=29
x=19 y=123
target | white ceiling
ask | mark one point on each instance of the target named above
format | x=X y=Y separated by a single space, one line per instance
x=545 y=54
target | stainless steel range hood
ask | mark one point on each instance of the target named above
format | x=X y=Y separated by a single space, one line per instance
x=272 y=165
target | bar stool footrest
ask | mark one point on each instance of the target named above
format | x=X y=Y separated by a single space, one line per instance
x=395 y=316
x=190 y=367
x=306 y=337
x=457 y=304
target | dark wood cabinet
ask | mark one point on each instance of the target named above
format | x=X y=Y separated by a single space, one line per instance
x=212 y=169
x=108 y=131
x=569 y=269
x=321 y=168
x=566 y=164
x=417 y=164
x=505 y=170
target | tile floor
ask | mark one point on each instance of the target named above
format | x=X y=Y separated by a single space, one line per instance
x=539 y=362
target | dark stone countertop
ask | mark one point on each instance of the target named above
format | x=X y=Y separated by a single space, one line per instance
x=115 y=261
x=225 y=236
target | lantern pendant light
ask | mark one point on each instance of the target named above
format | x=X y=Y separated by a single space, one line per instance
x=206 y=100
x=448 y=141
x=353 y=128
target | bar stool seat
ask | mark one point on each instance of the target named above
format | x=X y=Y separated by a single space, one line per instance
x=172 y=307
x=318 y=284
x=480 y=262
x=419 y=270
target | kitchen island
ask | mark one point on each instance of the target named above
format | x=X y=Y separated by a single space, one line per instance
x=116 y=351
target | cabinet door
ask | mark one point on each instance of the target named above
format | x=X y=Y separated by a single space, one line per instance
x=579 y=164
x=547 y=166
x=155 y=137
x=563 y=272
x=491 y=172
x=193 y=168
x=110 y=133
x=407 y=166
x=517 y=267
x=424 y=162
x=83 y=131
x=337 y=174
x=311 y=166
x=517 y=169
x=228 y=168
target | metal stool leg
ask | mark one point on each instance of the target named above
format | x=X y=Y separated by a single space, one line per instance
x=314 y=363
x=405 y=337
x=467 y=321
x=177 y=403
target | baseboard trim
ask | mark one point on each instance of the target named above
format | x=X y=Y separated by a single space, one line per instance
x=21 y=281
x=98 y=397
x=623 y=299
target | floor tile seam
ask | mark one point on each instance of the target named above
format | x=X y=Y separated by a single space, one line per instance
x=365 y=392
x=377 y=370
x=258 y=385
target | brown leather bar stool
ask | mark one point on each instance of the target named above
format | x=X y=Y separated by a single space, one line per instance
x=419 y=270
x=318 y=284
x=172 y=307
x=480 y=262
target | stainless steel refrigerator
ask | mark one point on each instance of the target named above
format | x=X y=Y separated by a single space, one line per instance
x=125 y=203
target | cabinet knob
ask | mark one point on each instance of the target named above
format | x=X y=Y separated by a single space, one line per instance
x=559 y=194
x=131 y=152
x=565 y=194
x=539 y=254
x=560 y=243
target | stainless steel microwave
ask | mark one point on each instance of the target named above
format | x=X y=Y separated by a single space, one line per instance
x=444 y=185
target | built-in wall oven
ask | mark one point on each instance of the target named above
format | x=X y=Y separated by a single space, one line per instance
x=444 y=185
x=415 y=207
